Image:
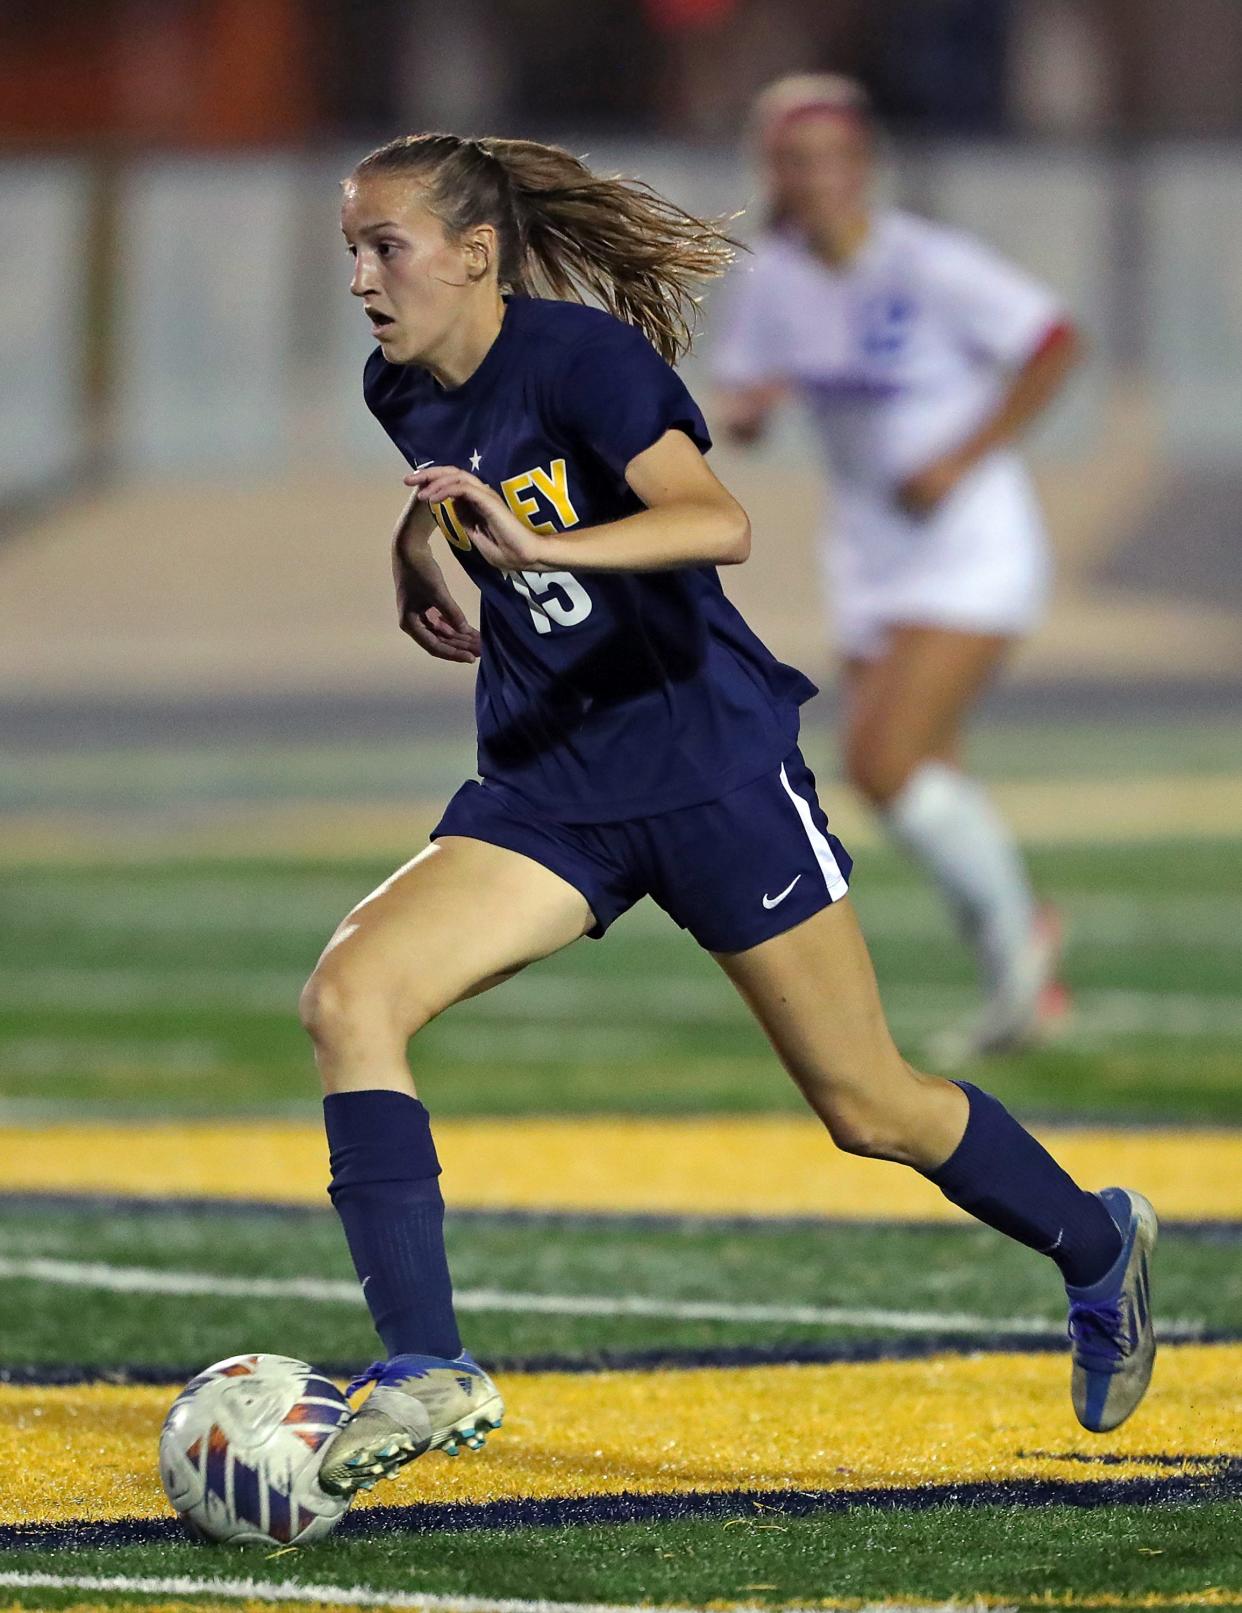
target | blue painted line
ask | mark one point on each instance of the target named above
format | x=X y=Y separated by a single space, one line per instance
x=1222 y=1483
x=588 y=1220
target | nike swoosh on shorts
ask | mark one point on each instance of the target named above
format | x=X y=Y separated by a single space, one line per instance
x=775 y=901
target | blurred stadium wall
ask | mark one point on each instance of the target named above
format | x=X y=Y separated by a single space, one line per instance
x=194 y=503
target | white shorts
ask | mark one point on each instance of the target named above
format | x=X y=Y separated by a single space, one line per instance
x=979 y=563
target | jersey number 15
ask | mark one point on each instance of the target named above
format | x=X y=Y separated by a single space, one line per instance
x=552 y=597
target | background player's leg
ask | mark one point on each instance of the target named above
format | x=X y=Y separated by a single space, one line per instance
x=460 y=917
x=814 y=992
x=902 y=746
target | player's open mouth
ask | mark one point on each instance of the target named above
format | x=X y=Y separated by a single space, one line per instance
x=379 y=321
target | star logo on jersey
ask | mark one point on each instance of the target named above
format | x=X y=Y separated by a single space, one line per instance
x=476 y=459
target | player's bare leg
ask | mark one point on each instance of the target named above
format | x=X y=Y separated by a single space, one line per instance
x=458 y=919
x=813 y=991
x=905 y=717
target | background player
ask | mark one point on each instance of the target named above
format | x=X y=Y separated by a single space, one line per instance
x=922 y=357
x=635 y=738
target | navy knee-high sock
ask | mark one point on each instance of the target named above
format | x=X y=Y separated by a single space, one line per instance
x=386 y=1191
x=1001 y=1175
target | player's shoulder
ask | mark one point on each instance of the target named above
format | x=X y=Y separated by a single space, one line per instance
x=768 y=247
x=772 y=256
x=575 y=354
x=930 y=244
x=561 y=330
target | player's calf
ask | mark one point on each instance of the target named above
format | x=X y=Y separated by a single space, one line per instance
x=896 y=1114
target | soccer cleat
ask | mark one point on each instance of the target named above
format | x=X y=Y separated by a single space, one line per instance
x=1028 y=1007
x=419 y=1403
x=1112 y=1339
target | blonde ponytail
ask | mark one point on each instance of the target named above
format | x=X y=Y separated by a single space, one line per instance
x=566 y=232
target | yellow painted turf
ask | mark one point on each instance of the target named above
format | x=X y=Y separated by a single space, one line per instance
x=749 y=1165
x=89 y=1451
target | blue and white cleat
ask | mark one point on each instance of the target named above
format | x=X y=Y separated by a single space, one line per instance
x=419 y=1403
x=1112 y=1339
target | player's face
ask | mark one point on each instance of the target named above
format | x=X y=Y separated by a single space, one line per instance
x=408 y=273
x=819 y=169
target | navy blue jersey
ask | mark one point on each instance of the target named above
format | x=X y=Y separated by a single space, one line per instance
x=614 y=694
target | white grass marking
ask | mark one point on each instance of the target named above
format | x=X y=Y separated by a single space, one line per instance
x=330 y=1291
x=629 y=1004
x=293 y=1590
x=1179 y=1015
x=50 y=1054
x=532 y=1042
x=267 y=1590
x=1151 y=920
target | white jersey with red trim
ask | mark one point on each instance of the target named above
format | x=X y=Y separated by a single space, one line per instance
x=899 y=356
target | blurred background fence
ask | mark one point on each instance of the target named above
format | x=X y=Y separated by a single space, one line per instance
x=195 y=502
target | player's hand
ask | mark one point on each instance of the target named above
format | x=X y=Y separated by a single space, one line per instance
x=921 y=494
x=744 y=412
x=448 y=638
x=500 y=538
x=433 y=618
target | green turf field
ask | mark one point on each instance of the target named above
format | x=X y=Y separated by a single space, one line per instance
x=171 y=987
x=144 y=986
x=930 y=1271
x=1053 y=1556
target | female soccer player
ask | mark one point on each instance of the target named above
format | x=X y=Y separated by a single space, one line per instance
x=635 y=738
x=922 y=356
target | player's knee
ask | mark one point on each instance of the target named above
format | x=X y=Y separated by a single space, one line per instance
x=877 y=768
x=857 y=1126
x=323 y=1006
x=853 y=1134
x=340 y=1007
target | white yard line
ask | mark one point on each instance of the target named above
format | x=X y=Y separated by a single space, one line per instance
x=632 y=1005
x=1179 y=1015
x=267 y=1590
x=235 y=906
x=326 y=1291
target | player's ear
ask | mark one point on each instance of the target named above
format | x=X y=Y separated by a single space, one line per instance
x=480 y=251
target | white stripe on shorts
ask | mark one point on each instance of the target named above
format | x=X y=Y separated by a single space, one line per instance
x=828 y=865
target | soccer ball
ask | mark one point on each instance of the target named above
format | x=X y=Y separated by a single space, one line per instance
x=239 y=1452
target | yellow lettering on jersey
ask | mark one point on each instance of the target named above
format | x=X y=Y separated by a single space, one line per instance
x=524 y=508
x=553 y=484
x=449 y=523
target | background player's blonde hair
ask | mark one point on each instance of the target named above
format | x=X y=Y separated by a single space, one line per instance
x=567 y=232
x=797 y=93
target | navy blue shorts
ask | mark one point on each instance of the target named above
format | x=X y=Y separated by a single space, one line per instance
x=733 y=872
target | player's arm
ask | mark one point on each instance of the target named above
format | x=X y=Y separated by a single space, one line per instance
x=1031 y=389
x=743 y=352
x=425 y=607
x=691 y=518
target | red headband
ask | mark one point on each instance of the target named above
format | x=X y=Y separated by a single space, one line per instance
x=856 y=115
